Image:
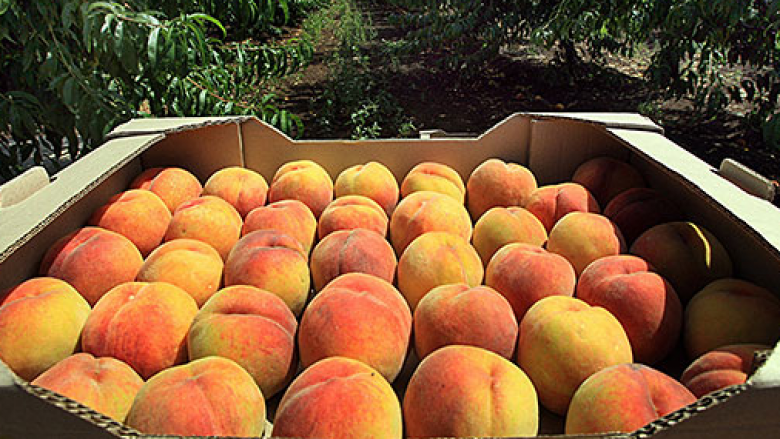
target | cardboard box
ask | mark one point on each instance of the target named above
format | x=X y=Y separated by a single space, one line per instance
x=551 y=145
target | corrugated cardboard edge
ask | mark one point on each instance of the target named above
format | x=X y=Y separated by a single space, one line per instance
x=139 y=127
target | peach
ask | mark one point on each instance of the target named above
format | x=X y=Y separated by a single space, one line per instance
x=372 y=180
x=271 y=261
x=143 y=324
x=92 y=260
x=138 y=215
x=495 y=183
x=436 y=177
x=525 y=274
x=636 y=210
x=500 y=226
x=623 y=398
x=583 y=237
x=352 y=212
x=243 y=188
x=720 y=368
x=643 y=301
x=339 y=398
x=465 y=391
x=290 y=217
x=562 y=342
x=252 y=327
x=685 y=254
x=347 y=251
x=427 y=211
x=305 y=181
x=551 y=203
x=459 y=314
x=105 y=385
x=730 y=311
x=173 y=185
x=41 y=321
x=209 y=219
x=606 y=177
x=210 y=396
x=369 y=322
x=437 y=258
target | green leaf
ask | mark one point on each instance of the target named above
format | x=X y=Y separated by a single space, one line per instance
x=4 y=6
x=153 y=48
x=119 y=39
x=70 y=92
x=205 y=17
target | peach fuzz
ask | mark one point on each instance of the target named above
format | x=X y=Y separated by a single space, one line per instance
x=252 y=327
x=435 y=177
x=271 y=261
x=583 y=237
x=347 y=251
x=606 y=177
x=143 y=324
x=426 y=211
x=730 y=311
x=500 y=226
x=463 y=315
x=372 y=180
x=243 y=188
x=624 y=398
x=191 y=265
x=291 y=217
x=105 y=385
x=465 y=391
x=437 y=258
x=352 y=212
x=221 y=398
x=525 y=274
x=684 y=253
x=638 y=209
x=138 y=215
x=644 y=302
x=370 y=322
x=495 y=183
x=339 y=398
x=209 y=219
x=551 y=203
x=41 y=321
x=302 y=180
x=92 y=260
x=720 y=368
x=562 y=342
x=173 y=185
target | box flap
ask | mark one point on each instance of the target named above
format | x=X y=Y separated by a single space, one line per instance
x=137 y=127
x=632 y=121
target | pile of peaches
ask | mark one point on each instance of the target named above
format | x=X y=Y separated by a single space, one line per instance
x=181 y=308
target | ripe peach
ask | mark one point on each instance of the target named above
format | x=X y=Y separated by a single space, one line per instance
x=347 y=251
x=143 y=324
x=211 y=396
x=426 y=211
x=290 y=217
x=243 y=188
x=271 y=261
x=138 y=215
x=636 y=210
x=643 y=301
x=495 y=183
x=583 y=237
x=173 y=185
x=465 y=391
x=730 y=311
x=437 y=258
x=41 y=320
x=252 y=327
x=372 y=180
x=606 y=177
x=305 y=181
x=551 y=203
x=685 y=254
x=191 y=265
x=720 y=368
x=339 y=398
x=352 y=212
x=209 y=219
x=436 y=177
x=525 y=274
x=92 y=260
x=623 y=398
x=460 y=314
x=105 y=385
x=500 y=226
x=562 y=342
